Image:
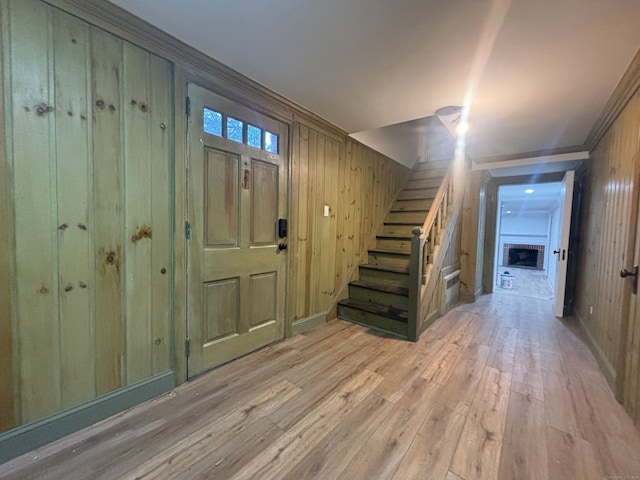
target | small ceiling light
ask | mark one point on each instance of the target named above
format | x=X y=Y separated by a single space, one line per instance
x=529 y=190
x=508 y=211
x=462 y=128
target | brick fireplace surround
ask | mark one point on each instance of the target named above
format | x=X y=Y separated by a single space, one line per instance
x=539 y=248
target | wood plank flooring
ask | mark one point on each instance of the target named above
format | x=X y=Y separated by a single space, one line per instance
x=499 y=389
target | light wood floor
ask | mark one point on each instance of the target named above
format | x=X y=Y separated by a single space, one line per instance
x=527 y=283
x=495 y=389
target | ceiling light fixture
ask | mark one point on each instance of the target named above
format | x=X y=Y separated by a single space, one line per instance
x=462 y=127
x=529 y=190
x=459 y=122
x=448 y=110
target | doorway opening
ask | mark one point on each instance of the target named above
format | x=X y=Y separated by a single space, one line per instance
x=528 y=222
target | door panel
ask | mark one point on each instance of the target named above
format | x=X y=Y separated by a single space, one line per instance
x=221 y=313
x=221 y=187
x=264 y=200
x=237 y=192
x=264 y=287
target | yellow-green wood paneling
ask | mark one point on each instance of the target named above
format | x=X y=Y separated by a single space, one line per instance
x=87 y=190
x=75 y=263
x=9 y=415
x=162 y=145
x=137 y=244
x=34 y=175
x=106 y=65
x=358 y=185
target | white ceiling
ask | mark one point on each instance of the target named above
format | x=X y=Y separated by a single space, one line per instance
x=534 y=74
x=514 y=200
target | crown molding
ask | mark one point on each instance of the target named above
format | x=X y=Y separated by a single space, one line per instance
x=626 y=88
x=538 y=154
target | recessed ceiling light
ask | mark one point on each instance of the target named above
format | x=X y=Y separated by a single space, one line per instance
x=529 y=190
x=508 y=211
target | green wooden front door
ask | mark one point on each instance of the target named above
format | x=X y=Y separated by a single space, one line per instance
x=237 y=192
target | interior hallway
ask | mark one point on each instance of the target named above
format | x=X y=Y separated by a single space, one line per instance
x=526 y=282
x=495 y=389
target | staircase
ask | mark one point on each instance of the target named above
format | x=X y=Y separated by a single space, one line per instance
x=380 y=298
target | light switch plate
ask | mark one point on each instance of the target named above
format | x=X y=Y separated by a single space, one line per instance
x=326 y=210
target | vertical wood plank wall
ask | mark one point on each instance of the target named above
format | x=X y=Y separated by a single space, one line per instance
x=87 y=167
x=358 y=185
x=86 y=186
x=607 y=235
x=8 y=412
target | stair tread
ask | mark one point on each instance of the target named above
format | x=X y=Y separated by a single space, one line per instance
x=435 y=177
x=385 y=268
x=391 y=252
x=415 y=199
x=403 y=223
x=420 y=188
x=381 y=287
x=417 y=210
x=395 y=237
x=376 y=309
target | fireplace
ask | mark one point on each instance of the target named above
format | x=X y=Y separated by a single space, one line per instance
x=525 y=256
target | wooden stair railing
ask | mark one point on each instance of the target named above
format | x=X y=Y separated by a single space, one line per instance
x=426 y=241
x=380 y=298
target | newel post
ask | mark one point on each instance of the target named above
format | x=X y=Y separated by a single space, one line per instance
x=415 y=282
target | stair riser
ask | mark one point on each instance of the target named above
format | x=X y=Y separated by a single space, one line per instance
x=372 y=320
x=392 y=278
x=434 y=173
x=432 y=165
x=425 y=183
x=416 y=218
x=401 y=245
x=388 y=260
x=408 y=205
x=400 y=230
x=381 y=298
x=416 y=194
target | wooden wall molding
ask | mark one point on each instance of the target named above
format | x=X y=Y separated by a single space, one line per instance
x=226 y=80
x=627 y=87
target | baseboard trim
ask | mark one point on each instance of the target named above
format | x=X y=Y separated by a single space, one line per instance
x=467 y=297
x=604 y=364
x=308 y=323
x=34 y=435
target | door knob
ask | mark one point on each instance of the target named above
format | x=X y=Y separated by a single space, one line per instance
x=282 y=246
x=556 y=251
x=624 y=273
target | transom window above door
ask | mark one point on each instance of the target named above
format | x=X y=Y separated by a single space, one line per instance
x=237 y=130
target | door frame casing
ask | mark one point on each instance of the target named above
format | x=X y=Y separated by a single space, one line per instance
x=253 y=116
x=491 y=213
x=183 y=77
